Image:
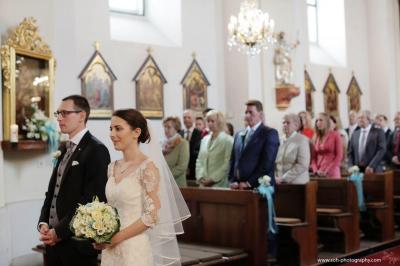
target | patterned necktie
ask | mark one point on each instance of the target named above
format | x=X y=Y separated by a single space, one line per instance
x=248 y=136
x=361 y=149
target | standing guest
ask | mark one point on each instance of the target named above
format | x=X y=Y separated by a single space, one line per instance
x=293 y=159
x=215 y=151
x=254 y=150
x=381 y=121
x=353 y=126
x=327 y=149
x=393 y=147
x=175 y=150
x=193 y=136
x=306 y=127
x=336 y=125
x=79 y=175
x=201 y=126
x=230 y=129
x=367 y=146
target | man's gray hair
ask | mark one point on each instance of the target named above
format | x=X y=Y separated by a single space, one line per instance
x=294 y=118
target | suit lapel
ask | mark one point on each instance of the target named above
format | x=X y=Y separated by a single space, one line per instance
x=215 y=143
x=81 y=145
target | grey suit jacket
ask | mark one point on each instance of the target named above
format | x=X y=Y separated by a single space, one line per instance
x=293 y=160
x=375 y=149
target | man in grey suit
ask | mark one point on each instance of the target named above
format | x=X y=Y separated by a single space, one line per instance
x=367 y=146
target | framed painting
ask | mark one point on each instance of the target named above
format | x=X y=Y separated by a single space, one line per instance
x=97 y=83
x=195 y=85
x=149 y=82
x=28 y=69
x=354 y=96
x=309 y=89
x=331 y=96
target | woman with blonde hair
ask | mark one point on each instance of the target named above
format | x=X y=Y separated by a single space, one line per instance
x=327 y=149
x=215 y=151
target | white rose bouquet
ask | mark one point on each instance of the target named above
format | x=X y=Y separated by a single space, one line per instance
x=95 y=221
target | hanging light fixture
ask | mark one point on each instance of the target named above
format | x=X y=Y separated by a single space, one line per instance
x=252 y=30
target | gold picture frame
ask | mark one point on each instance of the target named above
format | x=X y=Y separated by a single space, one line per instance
x=331 y=96
x=309 y=89
x=195 y=85
x=354 y=95
x=149 y=84
x=97 y=84
x=28 y=68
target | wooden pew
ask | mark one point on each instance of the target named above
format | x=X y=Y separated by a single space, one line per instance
x=295 y=207
x=338 y=214
x=378 y=194
x=223 y=217
x=396 y=196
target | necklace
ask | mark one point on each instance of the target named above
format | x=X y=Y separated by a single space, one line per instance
x=123 y=170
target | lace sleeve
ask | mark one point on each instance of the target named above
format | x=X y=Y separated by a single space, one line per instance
x=110 y=170
x=150 y=181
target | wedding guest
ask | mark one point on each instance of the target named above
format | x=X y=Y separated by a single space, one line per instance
x=381 y=121
x=79 y=174
x=143 y=191
x=193 y=136
x=306 y=127
x=367 y=146
x=327 y=149
x=212 y=164
x=230 y=129
x=201 y=126
x=393 y=147
x=293 y=159
x=254 y=150
x=353 y=125
x=175 y=150
x=336 y=125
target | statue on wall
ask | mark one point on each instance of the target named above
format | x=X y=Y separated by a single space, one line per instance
x=283 y=61
x=285 y=89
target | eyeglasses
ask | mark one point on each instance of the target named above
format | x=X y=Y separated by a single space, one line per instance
x=64 y=113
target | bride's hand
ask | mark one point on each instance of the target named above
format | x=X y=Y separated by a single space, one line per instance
x=101 y=246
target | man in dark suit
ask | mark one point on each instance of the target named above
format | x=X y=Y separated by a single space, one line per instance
x=367 y=146
x=193 y=136
x=79 y=175
x=254 y=150
x=381 y=121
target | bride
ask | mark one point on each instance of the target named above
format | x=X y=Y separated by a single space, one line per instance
x=149 y=203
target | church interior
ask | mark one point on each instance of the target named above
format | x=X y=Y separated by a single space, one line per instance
x=163 y=57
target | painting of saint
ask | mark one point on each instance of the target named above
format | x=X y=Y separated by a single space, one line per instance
x=97 y=85
x=331 y=96
x=195 y=86
x=309 y=89
x=149 y=89
x=31 y=80
x=354 y=96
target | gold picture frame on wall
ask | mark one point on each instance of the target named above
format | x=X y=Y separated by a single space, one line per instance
x=28 y=69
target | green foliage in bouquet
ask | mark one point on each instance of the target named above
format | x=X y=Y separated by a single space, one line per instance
x=95 y=221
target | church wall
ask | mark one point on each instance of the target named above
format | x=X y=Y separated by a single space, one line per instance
x=70 y=28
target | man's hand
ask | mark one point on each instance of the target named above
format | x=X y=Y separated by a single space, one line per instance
x=234 y=185
x=244 y=185
x=369 y=170
x=395 y=160
x=50 y=237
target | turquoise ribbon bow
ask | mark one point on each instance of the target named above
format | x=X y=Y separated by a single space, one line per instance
x=357 y=179
x=267 y=192
x=52 y=134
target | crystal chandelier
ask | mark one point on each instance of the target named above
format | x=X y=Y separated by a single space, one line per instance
x=252 y=30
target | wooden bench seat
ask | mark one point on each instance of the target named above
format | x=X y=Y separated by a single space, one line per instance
x=227 y=218
x=378 y=222
x=295 y=207
x=338 y=215
x=396 y=196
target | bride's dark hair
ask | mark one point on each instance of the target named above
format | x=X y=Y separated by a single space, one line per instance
x=135 y=119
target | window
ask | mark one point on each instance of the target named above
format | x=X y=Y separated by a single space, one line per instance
x=312 y=14
x=132 y=7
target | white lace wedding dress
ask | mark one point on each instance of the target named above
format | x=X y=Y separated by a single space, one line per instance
x=133 y=199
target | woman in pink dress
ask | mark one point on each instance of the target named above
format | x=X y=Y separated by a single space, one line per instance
x=327 y=149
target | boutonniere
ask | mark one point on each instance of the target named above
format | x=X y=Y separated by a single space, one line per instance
x=56 y=155
x=75 y=163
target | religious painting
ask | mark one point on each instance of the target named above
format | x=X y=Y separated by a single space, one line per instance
x=309 y=89
x=195 y=85
x=150 y=89
x=97 y=81
x=331 y=96
x=354 y=95
x=28 y=75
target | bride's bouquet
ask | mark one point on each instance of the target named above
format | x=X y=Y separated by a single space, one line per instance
x=95 y=221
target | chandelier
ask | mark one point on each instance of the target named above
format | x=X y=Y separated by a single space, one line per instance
x=252 y=30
